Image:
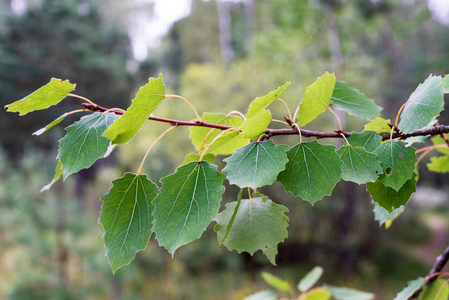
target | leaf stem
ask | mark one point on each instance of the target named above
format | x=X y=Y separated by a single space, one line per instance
x=76 y=111
x=82 y=98
x=213 y=141
x=338 y=118
x=345 y=139
x=397 y=115
x=236 y=112
x=431 y=148
x=299 y=132
x=205 y=138
x=295 y=115
x=151 y=147
x=286 y=106
x=114 y=110
x=279 y=121
x=188 y=102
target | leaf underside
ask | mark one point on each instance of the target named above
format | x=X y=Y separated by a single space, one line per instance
x=425 y=103
x=84 y=144
x=256 y=164
x=126 y=218
x=259 y=224
x=188 y=201
x=384 y=217
x=312 y=171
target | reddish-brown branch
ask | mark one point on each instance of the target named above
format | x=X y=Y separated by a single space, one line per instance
x=436 y=130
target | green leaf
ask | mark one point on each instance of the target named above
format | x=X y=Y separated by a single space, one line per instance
x=263 y=295
x=353 y=102
x=258 y=224
x=439 y=164
x=203 y=136
x=276 y=282
x=259 y=104
x=195 y=156
x=145 y=102
x=359 y=165
x=369 y=140
x=425 y=103
x=409 y=289
x=438 y=140
x=317 y=294
x=310 y=279
x=312 y=171
x=83 y=144
x=378 y=125
x=256 y=164
x=445 y=82
x=389 y=198
x=58 y=174
x=384 y=217
x=52 y=124
x=257 y=117
x=188 y=201
x=343 y=293
x=50 y=94
x=253 y=127
x=398 y=163
x=231 y=221
x=316 y=98
x=437 y=290
x=126 y=218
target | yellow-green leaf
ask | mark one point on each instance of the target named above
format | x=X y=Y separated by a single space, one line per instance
x=50 y=94
x=439 y=164
x=378 y=125
x=316 y=98
x=145 y=102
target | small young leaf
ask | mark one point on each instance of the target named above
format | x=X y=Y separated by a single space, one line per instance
x=425 y=103
x=438 y=140
x=378 y=125
x=259 y=224
x=257 y=117
x=195 y=156
x=58 y=174
x=409 y=289
x=276 y=282
x=310 y=279
x=52 y=124
x=389 y=198
x=342 y=293
x=263 y=295
x=83 y=144
x=145 y=102
x=188 y=201
x=312 y=171
x=256 y=164
x=256 y=125
x=50 y=94
x=437 y=290
x=317 y=294
x=126 y=218
x=359 y=165
x=382 y=215
x=369 y=140
x=203 y=136
x=354 y=102
x=439 y=164
x=316 y=98
x=398 y=163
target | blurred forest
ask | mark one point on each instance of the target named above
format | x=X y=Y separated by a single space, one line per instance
x=221 y=56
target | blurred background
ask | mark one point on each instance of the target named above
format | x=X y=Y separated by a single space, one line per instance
x=220 y=55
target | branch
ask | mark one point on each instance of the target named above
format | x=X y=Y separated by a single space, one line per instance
x=436 y=130
x=440 y=262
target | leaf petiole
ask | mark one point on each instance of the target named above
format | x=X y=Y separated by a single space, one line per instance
x=82 y=98
x=151 y=147
x=286 y=106
x=188 y=102
x=213 y=141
